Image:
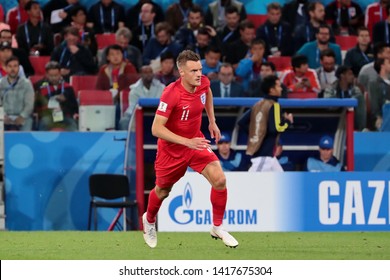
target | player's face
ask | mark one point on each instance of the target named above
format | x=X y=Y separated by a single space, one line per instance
x=191 y=72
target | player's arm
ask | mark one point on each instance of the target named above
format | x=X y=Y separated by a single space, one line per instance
x=213 y=128
x=160 y=130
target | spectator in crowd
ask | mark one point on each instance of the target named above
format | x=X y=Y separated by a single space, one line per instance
x=78 y=15
x=55 y=101
x=162 y=42
x=17 y=15
x=345 y=17
x=6 y=36
x=186 y=35
x=177 y=13
x=306 y=32
x=296 y=13
x=211 y=62
x=312 y=50
x=277 y=34
x=5 y=54
x=380 y=32
x=375 y=12
x=230 y=32
x=248 y=69
x=283 y=159
x=225 y=85
x=266 y=122
x=325 y=161
x=106 y=16
x=167 y=73
x=215 y=13
x=379 y=92
x=267 y=69
x=344 y=87
x=361 y=54
x=74 y=58
x=35 y=36
x=205 y=37
x=143 y=31
x=132 y=15
x=63 y=10
x=17 y=98
x=301 y=78
x=237 y=50
x=146 y=87
x=131 y=53
x=367 y=73
x=230 y=159
x=326 y=73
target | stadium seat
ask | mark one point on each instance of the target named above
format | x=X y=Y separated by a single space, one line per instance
x=39 y=63
x=124 y=100
x=96 y=111
x=257 y=19
x=281 y=63
x=346 y=42
x=105 y=39
x=87 y=82
x=35 y=78
x=106 y=190
x=302 y=95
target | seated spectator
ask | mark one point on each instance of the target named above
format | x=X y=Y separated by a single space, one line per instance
x=379 y=92
x=106 y=16
x=230 y=32
x=267 y=69
x=361 y=54
x=312 y=50
x=55 y=101
x=133 y=14
x=6 y=36
x=177 y=13
x=65 y=8
x=215 y=13
x=5 y=54
x=230 y=159
x=326 y=73
x=162 y=42
x=144 y=29
x=146 y=87
x=17 y=15
x=367 y=73
x=168 y=72
x=284 y=161
x=205 y=37
x=211 y=62
x=225 y=86
x=131 y=53
x=248 y=69
x=296 y=13
x=325 y=161
x=380 y=32
x=276 y=33
x=301 y=78
x=375 y=12
x=74 y=58
x=344 y=87
x=345 y=17
x=186 y=34
x=35 y=36
x=16 y=97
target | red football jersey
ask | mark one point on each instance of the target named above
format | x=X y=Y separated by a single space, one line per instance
x=184 y=112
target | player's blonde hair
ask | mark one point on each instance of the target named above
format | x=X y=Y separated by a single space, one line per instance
x=186 y=55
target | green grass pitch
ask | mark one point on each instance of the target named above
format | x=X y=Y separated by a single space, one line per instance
x=83 y=245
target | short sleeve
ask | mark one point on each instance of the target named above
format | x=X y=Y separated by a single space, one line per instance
x=168 y=101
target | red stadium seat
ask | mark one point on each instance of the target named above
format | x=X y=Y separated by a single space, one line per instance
x=124 y=100
x=302 y=95
x=35 y=78
x=105 y=39
x=346 y=42
x=281 y=63
x=39 y=63
x=257 y=19
x=83 y=82
x=95 y=97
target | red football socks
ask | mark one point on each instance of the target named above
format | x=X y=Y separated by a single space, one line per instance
x=218 y=200
x=153 y=206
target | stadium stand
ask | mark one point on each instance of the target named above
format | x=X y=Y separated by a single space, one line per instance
x=105 y=39
x=38 y=63
x=87 y=82
x=346 y=42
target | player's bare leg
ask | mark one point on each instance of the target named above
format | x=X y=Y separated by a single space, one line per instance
x=214 y=174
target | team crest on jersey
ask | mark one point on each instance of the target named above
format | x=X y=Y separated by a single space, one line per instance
x=162 y=106
x=203 y=98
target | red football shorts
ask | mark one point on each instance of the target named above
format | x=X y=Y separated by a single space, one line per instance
x=169 y=169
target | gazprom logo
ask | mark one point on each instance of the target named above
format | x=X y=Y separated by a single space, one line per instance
x=181 y=212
